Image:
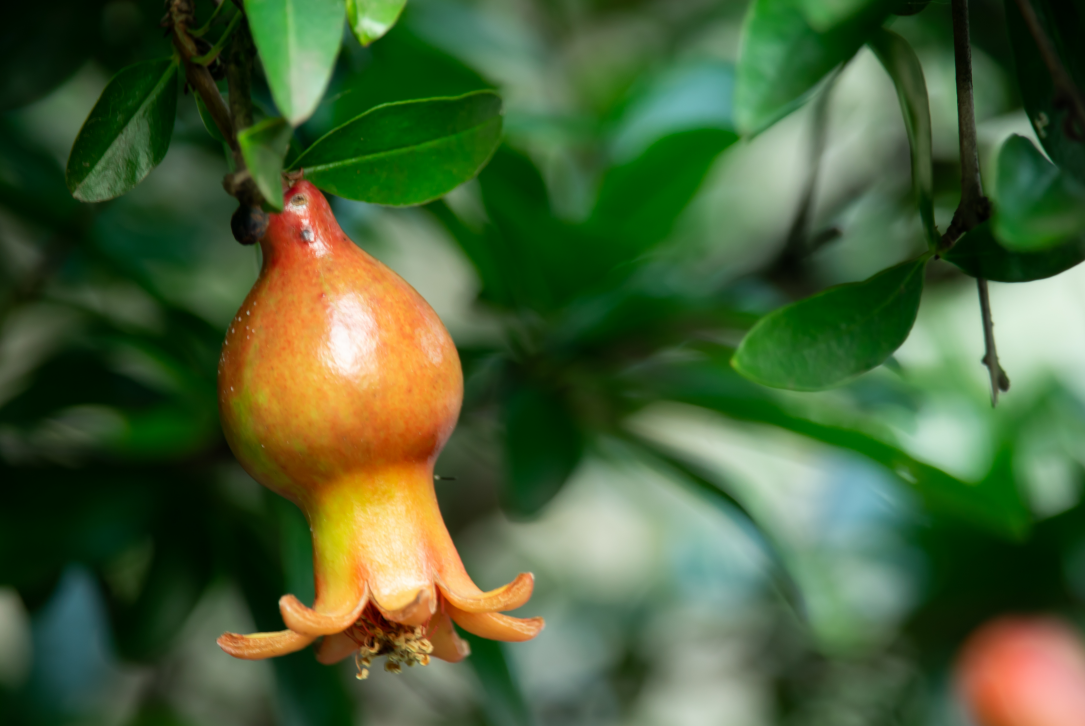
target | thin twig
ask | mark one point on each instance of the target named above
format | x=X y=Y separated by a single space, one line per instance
x=999 y=380
x=1066 y=91
x=974 y=208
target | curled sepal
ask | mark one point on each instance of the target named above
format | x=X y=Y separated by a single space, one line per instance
x=263 y=645
x=508 y=597
x=496 y=626
x=416 y=612
x=447 y=644
x=335 y=648
x=302 y=619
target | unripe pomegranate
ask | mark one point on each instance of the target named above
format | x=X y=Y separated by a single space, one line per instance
x=1024 y=672
x=338 y=387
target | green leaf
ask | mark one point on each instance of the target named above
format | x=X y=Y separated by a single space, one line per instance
x=1038 y=206
x=835 y=335
x=127 y=133
x=683 y=97
x=708 y=486
x=640 y=201
x=992 y=504
x=263 y=146
x=31 y=181
x=979 y=254
x=485 y=252
x=208 y=122
x=406 y=153
x=298 y=41
x=400 y=68
x=1063 y=27
x=371 y=19
x=543 y=446
x=826 y=14
x=903 y=67
x=502 y=700
x=782 y=57
x=44 y=44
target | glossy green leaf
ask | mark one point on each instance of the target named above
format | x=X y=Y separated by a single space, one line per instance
x=835 y=335
x=782 y=58
x=371 y=19
x=44 y=44
x=401 y=67
x=543 y=446
x=127 y=133
x=640 y=201
x=298 y=41
x=1064 y=28
x=902 y=65
x=264 y=146
x=1038 y=205
x=502 y=699
x=406 y=153
x=979 y=254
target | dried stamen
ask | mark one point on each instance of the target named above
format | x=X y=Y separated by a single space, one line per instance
x=402 y=645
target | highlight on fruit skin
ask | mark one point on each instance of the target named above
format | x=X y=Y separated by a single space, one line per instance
x=338 y=387
x=1018 y=671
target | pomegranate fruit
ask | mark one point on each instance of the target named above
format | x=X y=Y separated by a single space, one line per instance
x=338 y=387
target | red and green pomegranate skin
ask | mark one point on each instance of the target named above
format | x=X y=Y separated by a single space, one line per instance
x=338 y=387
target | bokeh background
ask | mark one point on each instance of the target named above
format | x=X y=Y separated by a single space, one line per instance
x=706 y=551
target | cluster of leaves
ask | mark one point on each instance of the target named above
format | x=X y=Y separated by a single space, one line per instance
x=397 y=154
x=789 y=50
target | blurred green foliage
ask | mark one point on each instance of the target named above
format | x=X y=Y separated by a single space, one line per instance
x=613 y=267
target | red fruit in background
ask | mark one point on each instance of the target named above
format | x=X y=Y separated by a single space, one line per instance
x=1024 y=672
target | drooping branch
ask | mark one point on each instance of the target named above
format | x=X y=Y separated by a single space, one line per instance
x=1067 y=94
